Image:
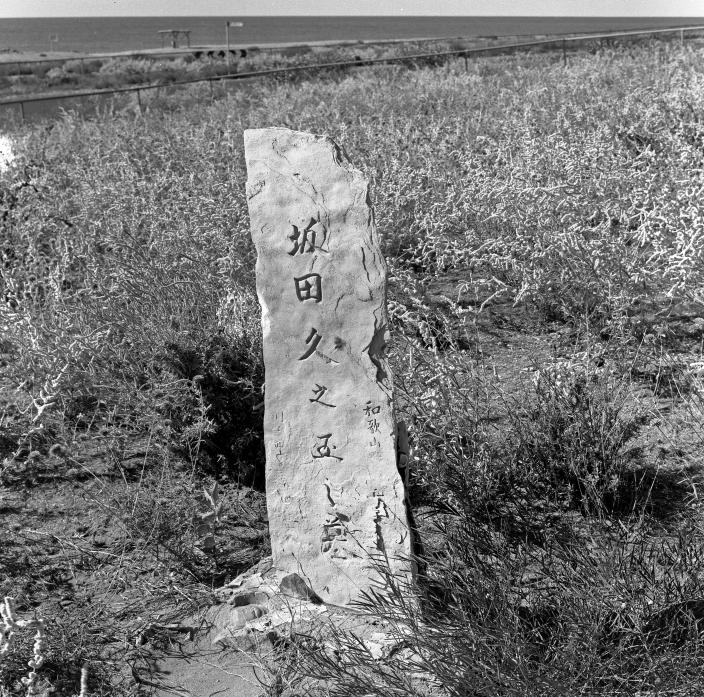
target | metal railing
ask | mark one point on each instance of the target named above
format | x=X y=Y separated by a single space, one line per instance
x=557 y=42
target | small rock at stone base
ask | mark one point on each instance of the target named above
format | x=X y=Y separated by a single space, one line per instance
x=242 y=640
x=239 y=616
x=249 y=598
x=296 y=587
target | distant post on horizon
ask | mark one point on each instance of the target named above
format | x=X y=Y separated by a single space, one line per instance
x=229 y=24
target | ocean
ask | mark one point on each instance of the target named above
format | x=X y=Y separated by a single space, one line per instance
x=106 y=34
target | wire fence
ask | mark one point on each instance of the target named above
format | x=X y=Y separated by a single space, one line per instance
x=562 y=43
x=214 y=51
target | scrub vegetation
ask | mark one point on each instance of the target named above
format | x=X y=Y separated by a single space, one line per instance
x=95 y=73
x=544 y=230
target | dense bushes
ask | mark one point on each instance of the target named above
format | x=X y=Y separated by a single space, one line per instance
x=116 y=288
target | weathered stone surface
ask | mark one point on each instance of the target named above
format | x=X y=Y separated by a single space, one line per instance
x=264 y=611
x=334 y=495
x=239 y=616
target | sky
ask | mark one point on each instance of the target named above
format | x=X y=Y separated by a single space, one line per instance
x=242 y=8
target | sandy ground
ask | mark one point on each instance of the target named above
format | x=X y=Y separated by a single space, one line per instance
x=198 y=670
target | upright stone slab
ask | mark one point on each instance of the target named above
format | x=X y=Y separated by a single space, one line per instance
x=334 y=495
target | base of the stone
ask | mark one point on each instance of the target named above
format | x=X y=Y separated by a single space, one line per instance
x=264 y=606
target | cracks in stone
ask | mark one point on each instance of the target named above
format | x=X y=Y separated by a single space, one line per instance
x=300 y=177
x=278 y=151
x=380 y=513
x=364 y=265
x=376 y=351
x=339 y=156
x=294 y=180
x=255 y=188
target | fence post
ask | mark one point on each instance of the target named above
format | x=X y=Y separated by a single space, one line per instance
x=466 y=63
x=564 y=52
x=22 y=110
x=681 y=37
x=139 y=100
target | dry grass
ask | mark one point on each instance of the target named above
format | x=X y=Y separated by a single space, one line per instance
x=545 y=240
x=117 y=72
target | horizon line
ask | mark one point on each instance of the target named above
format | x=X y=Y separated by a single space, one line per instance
x=357 y=16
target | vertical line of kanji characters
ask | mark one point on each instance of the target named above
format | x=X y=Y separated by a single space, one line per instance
x=310 y=240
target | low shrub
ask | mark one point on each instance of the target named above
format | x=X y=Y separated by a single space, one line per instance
x=577 y=618
x=60 y=76
x=576 y=433
x=39 y=70
x=519 y=462
x=99 y=338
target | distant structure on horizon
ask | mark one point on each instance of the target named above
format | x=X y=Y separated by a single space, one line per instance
x=175 y=33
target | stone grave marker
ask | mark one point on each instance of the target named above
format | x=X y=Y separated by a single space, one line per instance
x=334 y=495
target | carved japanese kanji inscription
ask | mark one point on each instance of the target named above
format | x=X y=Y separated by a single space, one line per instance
x=335 y=498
